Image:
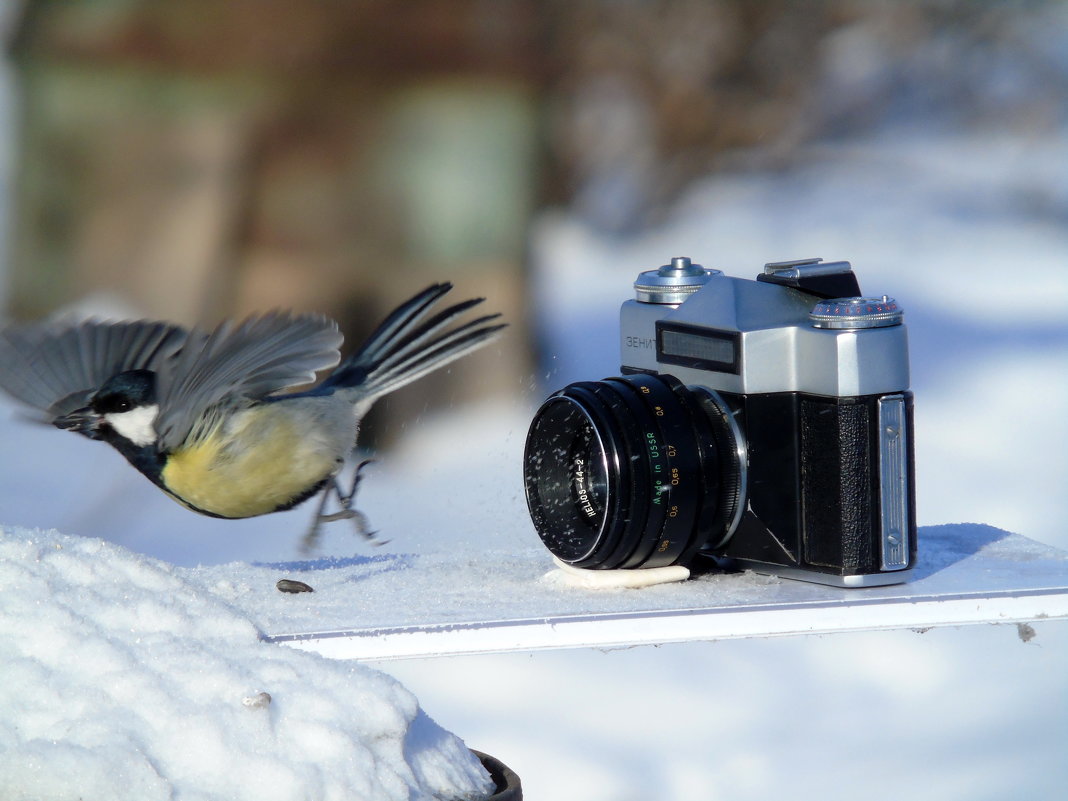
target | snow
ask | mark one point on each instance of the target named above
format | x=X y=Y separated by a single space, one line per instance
x=124 y=679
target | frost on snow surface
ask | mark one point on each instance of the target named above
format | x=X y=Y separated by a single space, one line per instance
x=124 y=680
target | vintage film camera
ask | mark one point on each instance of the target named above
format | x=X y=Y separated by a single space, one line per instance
x=762 y=424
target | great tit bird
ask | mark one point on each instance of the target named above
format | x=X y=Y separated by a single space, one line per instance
x=203 y=414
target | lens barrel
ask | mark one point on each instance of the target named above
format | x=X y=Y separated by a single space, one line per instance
x=633 y=471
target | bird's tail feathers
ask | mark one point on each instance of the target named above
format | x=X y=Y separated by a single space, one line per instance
x=409 y=344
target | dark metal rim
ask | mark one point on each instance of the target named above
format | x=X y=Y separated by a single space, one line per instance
x=509 y=787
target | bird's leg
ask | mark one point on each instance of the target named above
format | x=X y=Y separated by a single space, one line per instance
x=346 y=500
x=310 y=541
x=345 y=513
x=363 y=526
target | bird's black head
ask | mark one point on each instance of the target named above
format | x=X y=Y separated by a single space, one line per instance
x=121 y=412
x=125 y=392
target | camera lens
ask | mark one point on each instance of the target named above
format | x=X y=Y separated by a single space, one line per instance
x=634 y=471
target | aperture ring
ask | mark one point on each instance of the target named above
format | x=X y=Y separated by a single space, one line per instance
x=683 y=485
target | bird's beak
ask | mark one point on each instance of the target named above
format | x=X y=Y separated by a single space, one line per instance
x=84 y=421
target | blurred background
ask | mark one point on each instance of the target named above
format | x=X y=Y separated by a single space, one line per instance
x=189 y=159
x=192 y=160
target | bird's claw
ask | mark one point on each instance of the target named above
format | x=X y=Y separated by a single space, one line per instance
x=344 y=514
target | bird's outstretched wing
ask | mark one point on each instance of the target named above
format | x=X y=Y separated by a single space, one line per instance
x=237 y=363
x=56 y=366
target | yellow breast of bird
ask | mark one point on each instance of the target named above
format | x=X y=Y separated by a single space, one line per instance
x=260 y=460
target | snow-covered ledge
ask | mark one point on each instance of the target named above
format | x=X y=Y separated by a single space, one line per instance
x=968 y=574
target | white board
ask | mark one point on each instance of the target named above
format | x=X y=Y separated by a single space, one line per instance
x=451 y=603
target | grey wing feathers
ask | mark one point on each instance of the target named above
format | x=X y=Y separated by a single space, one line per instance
x=55 y=367
x=408 y=345
x=241 y=362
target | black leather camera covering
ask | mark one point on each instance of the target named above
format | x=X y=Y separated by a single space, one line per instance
x=814 y=499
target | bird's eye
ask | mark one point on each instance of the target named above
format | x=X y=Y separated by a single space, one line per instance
x=111 y=404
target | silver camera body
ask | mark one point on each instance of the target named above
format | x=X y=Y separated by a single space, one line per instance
x=771 y=335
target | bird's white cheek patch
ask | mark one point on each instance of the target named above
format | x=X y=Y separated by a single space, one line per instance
x=135 y=425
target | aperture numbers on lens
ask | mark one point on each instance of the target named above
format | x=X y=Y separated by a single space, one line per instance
x=657 y=409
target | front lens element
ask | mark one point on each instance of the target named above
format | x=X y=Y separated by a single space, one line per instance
x=570 y=478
